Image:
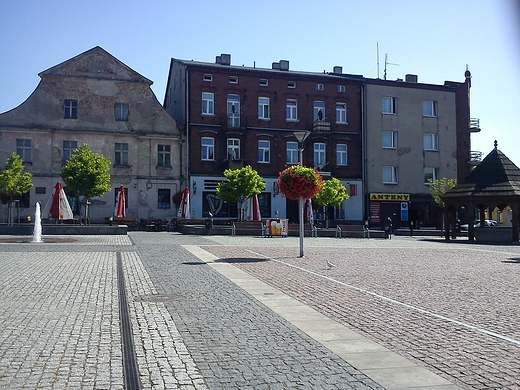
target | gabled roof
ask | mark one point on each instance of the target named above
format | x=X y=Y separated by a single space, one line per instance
x=96 y=63
x=496 y=176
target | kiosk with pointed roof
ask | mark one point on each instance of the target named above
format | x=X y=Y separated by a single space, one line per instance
x=495 y=182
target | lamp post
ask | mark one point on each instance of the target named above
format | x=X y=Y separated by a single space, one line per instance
x=301 y=136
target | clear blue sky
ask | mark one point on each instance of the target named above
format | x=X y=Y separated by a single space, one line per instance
x=433 y=39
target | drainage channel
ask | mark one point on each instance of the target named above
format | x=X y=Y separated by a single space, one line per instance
x=130 y=370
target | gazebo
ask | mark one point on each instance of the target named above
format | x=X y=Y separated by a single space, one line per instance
x=495 y=182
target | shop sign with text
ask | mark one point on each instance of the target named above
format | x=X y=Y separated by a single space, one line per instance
x=390 y=197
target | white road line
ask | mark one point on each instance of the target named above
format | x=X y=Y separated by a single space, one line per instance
x=420 y=310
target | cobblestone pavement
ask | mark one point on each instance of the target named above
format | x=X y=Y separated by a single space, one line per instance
x=236 y=342
x=452 y=307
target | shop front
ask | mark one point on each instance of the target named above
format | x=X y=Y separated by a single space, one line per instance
x=383 y=206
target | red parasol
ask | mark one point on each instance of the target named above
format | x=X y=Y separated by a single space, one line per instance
x=184 y=207
x=58 y=206
x=120 y=209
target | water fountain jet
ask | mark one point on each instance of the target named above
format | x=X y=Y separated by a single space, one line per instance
x=37 y=231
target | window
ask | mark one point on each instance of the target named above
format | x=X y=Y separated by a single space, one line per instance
x=164 y=155
x=292 y=152
x=163 y=198
x=319 y=155
x=319 y=87
x=341 y=88
x=264 y=82
x=208 y=103
x=291 y=84
x=430 y=173
x=389 y=175
x=341 y=113
x=389 y=139
x=70 y=109
x=24 y=200
x=233 y=79
x=429 y=108
x=68 y=148
x=121 y=154
x=341 y=154
x=23 y=149
x=291 y=110
x=263 y=108
x=264 y=152
x=319 y=111
x=233 y=149
x=207 y=77
x=121 y=111
x=233 y=110
x=430 y=142
x=388 y=105
x=207 y=148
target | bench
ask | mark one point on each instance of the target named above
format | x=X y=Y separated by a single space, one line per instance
x=130 y=222
x=248 y=228
x=358 y=231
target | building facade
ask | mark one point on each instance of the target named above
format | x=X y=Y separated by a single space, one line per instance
x=95 y=99
x=233 y=116
x=413 y=132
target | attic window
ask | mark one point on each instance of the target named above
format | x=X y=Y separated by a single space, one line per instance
x=264 y=82
x=233 y=79
x=207 y=77
x=291 y=84
x=70 y=109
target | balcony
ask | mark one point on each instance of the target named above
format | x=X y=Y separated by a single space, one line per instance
x=476 y=158
x=321 y=126
x=474 y=125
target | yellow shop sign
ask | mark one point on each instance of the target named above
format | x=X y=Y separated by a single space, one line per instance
x=390 y=197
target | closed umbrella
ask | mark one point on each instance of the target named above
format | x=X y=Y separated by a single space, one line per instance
x=58 y=206
x=184 y=207
x=253 y=209
x=120 y=209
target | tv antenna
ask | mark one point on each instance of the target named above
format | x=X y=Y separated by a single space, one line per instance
x=387 y=63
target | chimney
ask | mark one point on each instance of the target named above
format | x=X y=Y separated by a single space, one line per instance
x=223 y=59
x=284 y=65
x=338 y=70
x=411 y=78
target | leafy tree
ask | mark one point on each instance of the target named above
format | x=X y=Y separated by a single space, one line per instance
x=440 y=187
x=242 y=184
x=13 y=182
x=87 y=173
x=331 y=194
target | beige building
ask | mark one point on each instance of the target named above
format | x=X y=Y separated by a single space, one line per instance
x=95 y=99
x=412 y=133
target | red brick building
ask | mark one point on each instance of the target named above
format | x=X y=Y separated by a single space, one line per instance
x=233 y=116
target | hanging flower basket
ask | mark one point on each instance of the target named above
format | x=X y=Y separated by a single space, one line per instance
x=297 y=181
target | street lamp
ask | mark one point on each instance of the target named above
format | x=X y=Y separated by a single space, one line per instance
x=301 y=136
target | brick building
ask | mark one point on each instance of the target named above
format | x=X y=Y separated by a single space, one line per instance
x=234 y=116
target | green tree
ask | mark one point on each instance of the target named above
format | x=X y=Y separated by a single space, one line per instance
x=13 y=182
x=331 y=194
x=242 y=184
x=87 y=174
x=440 y=187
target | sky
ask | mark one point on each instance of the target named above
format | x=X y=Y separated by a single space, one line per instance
x=435 y=40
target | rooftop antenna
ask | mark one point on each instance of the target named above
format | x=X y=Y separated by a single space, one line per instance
x=388 y=63
x=377 y=48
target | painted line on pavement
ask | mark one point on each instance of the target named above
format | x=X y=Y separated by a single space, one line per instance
x=416 y=308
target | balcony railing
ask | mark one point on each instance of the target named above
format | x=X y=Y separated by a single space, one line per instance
x=476 y=157
x=321 y=126
x=474 y=125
